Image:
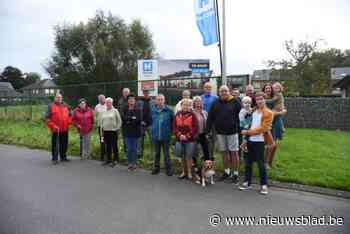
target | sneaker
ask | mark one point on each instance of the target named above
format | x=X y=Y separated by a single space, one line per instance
x=264 y=190
x=112 y=164
x=245 y=186
x=224 y=177
x=235 y=179
x=54 y=162
x=267 y=166
x=155 y=171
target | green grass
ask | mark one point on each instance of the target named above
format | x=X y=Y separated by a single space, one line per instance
x=23 y=112
x=305 y=156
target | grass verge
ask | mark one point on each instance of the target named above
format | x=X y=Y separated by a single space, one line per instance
x=305 y=156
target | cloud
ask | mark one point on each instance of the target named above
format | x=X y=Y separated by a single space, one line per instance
x=255 y=29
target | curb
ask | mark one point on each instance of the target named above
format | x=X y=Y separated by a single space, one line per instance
x=311 y=189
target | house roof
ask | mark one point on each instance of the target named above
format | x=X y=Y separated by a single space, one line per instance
x=343 y=83
x=6 y=86
x=7 y=90
x=46 y=83
x=268 y=75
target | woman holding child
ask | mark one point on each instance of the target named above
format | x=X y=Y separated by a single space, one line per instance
x=275 y=102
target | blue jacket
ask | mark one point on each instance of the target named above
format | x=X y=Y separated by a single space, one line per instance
x=208 y=101
x=161 y=123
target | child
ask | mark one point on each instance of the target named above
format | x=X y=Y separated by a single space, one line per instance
x=245 y=119
x=278 y=99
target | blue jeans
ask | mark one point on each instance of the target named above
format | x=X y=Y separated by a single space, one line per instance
x=165 y=146
x=256 y=152
x=131 y=149
x=185 y=150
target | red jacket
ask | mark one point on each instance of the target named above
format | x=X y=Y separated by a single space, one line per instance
x=58 y=117
x=83 y=120
x=186 y=124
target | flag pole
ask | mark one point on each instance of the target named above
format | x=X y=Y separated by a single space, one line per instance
x=219 y=36
x=224 y=79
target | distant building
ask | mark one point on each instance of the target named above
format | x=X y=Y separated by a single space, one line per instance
x=344 y=86
x=42 y=88
x=7 y=90
x=263 y=76
x=338 y=73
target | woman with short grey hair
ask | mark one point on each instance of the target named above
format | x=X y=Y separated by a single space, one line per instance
x=110 y=124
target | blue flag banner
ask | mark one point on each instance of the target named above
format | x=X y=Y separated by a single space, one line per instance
x=206 y=20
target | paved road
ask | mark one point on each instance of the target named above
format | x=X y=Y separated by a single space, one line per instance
x=84 y=197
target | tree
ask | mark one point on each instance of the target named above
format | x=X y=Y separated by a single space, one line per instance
x=103 y=49
x=309 y=66
x=17 y=78
x=14 y=76
x=31 y=77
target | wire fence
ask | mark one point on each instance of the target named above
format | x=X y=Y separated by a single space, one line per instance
x=32 y=103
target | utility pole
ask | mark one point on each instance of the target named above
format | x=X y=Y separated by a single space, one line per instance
x=224 y=64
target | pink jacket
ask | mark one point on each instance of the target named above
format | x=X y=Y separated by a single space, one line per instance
x=83 y=120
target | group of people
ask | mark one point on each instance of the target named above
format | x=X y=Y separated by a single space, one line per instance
x=249 y=126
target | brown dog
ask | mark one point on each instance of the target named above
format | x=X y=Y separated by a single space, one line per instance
x=207 y=173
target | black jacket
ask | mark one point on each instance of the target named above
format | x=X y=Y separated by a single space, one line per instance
x=223 y=116
x=131 y=122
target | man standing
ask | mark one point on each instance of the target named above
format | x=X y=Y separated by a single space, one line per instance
x=123 y=100
x=121 y=105
x=258 y=133
x=58 y=119
x=145 y=104
x=250 y=92
x=207 y=97
x=161 y=128
x=99 y=109
x=224 y=115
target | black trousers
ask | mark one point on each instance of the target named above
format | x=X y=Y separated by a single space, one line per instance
x=102 y=145
x=203 y=141
x=255 y=153
x=59 y=145
x=111 y=142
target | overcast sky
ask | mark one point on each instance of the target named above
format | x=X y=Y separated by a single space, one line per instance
x=256 y=29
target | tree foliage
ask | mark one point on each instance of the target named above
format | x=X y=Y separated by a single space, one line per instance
x=103 y=49
x=17 y=78
x=309 y=66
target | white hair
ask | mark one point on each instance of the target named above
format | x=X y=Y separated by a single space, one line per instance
x=109 y=99
x=246 y=99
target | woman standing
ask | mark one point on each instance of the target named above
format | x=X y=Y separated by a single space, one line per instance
x=186 y=130
x=83 y=119
x=132 y=119
x=279 y=111
x=268 y=90
x=110 y=124
x=201 y=116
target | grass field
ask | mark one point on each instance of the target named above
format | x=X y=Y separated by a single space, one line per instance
x=306 y=156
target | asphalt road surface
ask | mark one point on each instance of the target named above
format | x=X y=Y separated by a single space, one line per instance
x=84 y=197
